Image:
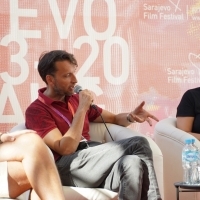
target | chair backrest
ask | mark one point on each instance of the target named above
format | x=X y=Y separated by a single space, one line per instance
x=18 y=127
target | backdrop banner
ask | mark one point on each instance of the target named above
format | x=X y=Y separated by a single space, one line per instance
x=128 y=51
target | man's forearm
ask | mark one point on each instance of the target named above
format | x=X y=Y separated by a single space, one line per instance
x=72 y=137
x=123 y=119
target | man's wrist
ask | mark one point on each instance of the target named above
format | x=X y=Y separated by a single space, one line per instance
x=128 y=118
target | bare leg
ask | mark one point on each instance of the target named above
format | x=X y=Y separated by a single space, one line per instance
x=17 y=179
x=34 y=196
x=38 y=165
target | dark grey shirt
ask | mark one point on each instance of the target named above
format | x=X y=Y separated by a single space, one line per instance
x=189 y=106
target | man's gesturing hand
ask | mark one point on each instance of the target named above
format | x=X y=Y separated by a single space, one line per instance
x=140 y=115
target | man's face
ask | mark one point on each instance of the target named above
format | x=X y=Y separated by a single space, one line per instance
x=64 y=78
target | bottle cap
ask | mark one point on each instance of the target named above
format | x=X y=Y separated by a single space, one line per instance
x=193 y=140
x=188 y=141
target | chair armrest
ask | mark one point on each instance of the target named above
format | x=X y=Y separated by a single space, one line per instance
x=18 y=127
x=167 y=128
x=98 y=132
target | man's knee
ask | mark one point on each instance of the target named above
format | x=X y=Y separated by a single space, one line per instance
x=131 y=165
x=140 y=145
x=141 y=139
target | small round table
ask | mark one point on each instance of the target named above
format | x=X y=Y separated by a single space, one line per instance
x=183 y=187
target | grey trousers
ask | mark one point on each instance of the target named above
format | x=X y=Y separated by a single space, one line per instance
x=124 y=166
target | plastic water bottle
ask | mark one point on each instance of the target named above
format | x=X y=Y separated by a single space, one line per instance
x=185 y=162
x=195 y=164
x=190 y=162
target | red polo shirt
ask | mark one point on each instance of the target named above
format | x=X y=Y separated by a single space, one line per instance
x=41 y=118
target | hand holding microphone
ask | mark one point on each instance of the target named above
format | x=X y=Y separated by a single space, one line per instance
x=85 y=96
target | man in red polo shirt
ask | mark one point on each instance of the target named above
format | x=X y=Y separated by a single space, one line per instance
x=62 y=119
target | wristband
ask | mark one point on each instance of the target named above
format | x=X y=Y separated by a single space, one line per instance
x=128 y=119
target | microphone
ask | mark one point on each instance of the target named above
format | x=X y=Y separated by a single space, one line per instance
x=78 y=89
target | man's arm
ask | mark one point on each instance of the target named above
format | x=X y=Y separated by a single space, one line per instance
x=138 y=115
x=185 y=124
x=68 y=143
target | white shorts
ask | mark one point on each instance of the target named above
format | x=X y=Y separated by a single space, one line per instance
x=4 y=179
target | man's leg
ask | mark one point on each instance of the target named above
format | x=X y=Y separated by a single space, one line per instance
x=38 y=165
x=129 y=176
x=91 y=167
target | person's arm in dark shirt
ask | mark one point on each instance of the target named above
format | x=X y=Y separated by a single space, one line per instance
x=185 y=124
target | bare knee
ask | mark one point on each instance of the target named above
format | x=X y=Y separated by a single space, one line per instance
x=30 y=140
x=31 y=143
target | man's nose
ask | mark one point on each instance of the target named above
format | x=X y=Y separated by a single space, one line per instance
x=74 y=79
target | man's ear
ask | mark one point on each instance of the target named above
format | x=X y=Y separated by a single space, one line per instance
x=50 y=79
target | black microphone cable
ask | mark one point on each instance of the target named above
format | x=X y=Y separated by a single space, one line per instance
x=94 y=107
x=78 y=89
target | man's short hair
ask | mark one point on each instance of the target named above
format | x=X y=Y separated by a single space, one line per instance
x=47 y=60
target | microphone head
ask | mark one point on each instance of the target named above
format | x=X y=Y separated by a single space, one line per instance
x=78 y=89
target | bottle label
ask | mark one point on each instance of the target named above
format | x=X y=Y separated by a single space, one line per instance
x=190 y=156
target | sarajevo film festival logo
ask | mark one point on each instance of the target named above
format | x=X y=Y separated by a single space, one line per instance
x=176 y=5
x=195 y=60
